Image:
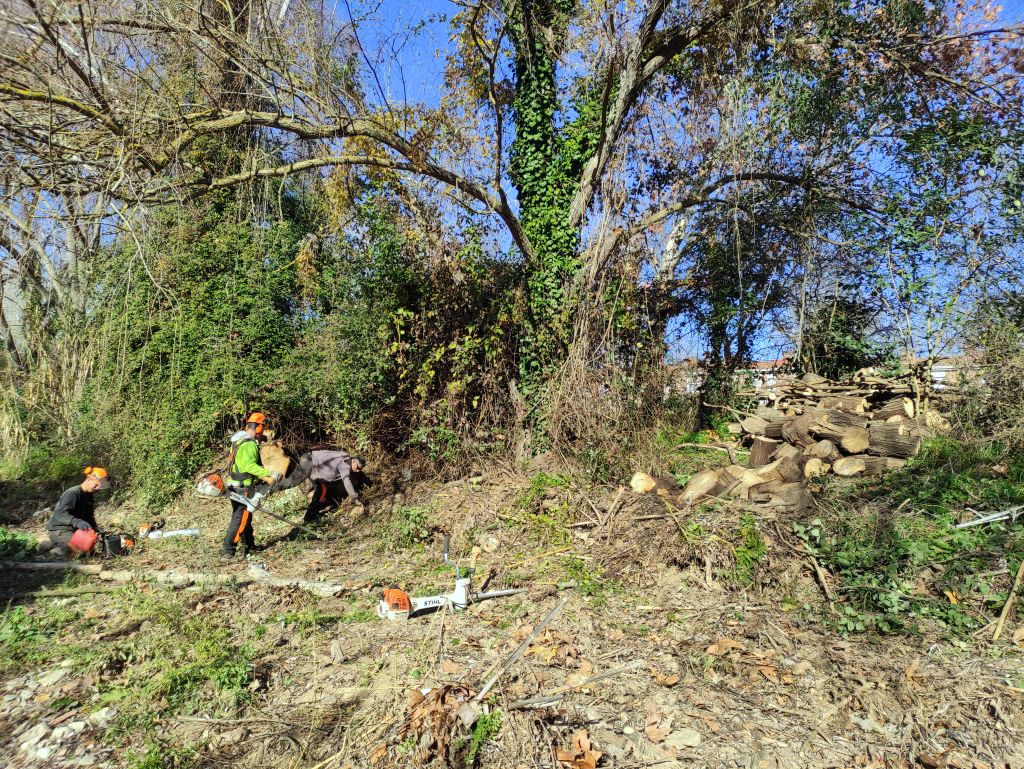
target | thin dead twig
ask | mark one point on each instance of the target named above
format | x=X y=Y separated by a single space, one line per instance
x=1009 y=602
x=519 y=651
x=557 y=694
x=730 y=450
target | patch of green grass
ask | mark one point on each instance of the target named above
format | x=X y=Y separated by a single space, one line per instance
x=21 y=638
x=15 y=546
x=407 y=527
x=540 y=483
x=881 y=557
x=157 y=756
x=590 y=581
x=749 y=552
x=485 y=729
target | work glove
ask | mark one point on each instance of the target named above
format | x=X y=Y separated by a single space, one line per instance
x=269 y=480
x=359 y=508
x=276 y=475
x=80 y=524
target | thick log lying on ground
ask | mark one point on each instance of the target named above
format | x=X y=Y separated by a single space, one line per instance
x=892 y=440
x=824 y=450
x=798 y=431
x=853 y=440
x=865 y=464
x=787 y=451
x=774 y=428
x=902 y=407
x=778 y=494
x=816 y=467
x=849 y=403
x=844 y=419
x=753 y=425
x=707 y=484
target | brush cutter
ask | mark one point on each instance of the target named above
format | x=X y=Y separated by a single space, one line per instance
x=396 y=604
x=213 y=486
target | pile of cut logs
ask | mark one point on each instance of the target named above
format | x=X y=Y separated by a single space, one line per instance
x=812 y=427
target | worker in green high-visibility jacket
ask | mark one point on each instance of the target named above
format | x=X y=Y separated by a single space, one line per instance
x=244 y=469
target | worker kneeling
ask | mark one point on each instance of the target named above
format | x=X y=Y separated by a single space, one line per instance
x=244 y=469
x=326 y=469
x=74 y=512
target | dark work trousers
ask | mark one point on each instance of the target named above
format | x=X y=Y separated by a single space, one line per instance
x=57 y=544
x=328 y=494
x=324 y=497
x=240 y=529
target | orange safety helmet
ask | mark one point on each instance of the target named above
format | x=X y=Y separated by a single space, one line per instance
x=259 y=419
x=100 y=475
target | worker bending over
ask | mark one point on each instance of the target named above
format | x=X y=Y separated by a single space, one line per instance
x=326 y=469
x=74 y=511
x=244 y=469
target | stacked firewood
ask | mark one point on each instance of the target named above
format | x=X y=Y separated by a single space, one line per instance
x=811 y=427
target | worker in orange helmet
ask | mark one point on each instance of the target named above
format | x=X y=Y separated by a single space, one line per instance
x=74 y=510
x=244 y=469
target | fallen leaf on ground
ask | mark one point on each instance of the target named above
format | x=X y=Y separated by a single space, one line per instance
x=1018 y=635
x=663 y=679
x=657 y=728
x=452 y=668
x=802 y=668
x=723 y=646
x=581 y=755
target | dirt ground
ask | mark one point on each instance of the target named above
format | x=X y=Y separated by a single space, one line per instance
x=703 y=672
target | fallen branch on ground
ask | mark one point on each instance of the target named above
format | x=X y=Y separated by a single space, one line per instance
x=557 y=694
x=519 y=651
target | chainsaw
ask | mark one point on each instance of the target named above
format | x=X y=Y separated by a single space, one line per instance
x=396 y=604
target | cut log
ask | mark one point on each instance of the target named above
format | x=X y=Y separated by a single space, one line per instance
x=735 y=428
x=896 y=420
x=790 y=470
x=865 y=464
x=798 y=431
x=848 y=466
x=767 y=413
x=706 y=484
x=844 y=419
x=642 y=483
x=852 y=440
x=774 y=428
x=815 y=468
x=813 y=379
x=787 y=451
x=824 y=450
x=902 y=407
x=788 y=496
x=272 y=457
x=745 y=478
x=762 y=451
x=849 y=403
x=753 y=425
x=892 y=441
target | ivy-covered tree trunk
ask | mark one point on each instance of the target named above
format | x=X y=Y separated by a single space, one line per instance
x=545 y=168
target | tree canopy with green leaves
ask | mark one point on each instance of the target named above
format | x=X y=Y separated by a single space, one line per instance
x=593 y=171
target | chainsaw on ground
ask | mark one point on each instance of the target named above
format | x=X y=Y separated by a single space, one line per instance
x=396 y=604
